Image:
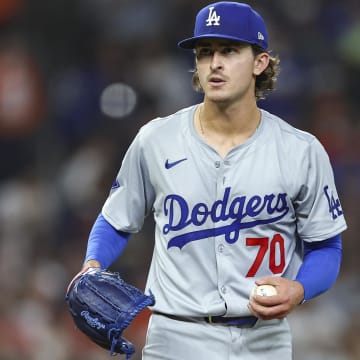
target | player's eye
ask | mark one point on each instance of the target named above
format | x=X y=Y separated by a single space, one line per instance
x=203 y=51
x=228 y=50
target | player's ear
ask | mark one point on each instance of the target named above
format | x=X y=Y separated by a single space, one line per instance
x=196 y=82
x=261 y=62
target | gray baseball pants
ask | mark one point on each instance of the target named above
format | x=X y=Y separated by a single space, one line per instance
x=169 y=339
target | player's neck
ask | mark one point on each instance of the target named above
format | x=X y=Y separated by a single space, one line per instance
x=238 y=117
x=224 y=127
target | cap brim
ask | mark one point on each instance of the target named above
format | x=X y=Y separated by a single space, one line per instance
x=190 y=43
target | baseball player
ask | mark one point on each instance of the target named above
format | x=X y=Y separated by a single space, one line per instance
x=239 y=197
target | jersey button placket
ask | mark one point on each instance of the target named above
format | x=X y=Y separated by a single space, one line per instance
x=220 y=246
x=226 y=166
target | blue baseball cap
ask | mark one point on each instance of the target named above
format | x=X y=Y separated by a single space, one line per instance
x=228 y=20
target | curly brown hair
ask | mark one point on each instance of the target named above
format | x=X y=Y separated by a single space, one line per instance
x=265 y=82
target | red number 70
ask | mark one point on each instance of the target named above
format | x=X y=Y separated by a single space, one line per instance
x=275 y=246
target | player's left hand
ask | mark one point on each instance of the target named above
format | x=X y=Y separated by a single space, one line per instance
x=289 y=295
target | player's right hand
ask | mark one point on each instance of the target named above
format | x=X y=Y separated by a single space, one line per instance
x=289 y=295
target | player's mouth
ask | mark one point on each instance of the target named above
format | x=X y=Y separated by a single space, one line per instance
x=216 y=81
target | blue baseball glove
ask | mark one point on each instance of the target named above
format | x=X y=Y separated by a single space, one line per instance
x=102 y=305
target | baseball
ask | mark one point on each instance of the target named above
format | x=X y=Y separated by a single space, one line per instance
x=263 y=290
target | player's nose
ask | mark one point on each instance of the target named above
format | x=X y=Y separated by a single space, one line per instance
x=216 y=61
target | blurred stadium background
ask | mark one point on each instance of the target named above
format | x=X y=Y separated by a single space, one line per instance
x=77 y=80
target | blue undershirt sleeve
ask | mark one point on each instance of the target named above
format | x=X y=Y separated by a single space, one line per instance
x=321 y=266
x=105 y=243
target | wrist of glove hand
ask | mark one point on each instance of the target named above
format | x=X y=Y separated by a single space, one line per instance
x=84 y=270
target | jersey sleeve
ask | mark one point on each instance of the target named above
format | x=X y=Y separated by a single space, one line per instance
x=318 y=210
x=131 y=196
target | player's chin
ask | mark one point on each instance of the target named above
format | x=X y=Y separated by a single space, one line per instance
x=219 y=97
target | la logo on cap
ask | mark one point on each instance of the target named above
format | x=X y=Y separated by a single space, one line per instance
x=228 y=20
x=213 y=18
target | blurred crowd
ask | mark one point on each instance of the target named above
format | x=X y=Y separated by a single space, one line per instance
x=60 y=151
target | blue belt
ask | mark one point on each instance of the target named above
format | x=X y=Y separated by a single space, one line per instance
x=242 y=321
x=249 y=321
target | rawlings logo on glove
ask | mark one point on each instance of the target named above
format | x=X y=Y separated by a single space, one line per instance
x=91 y=321
x=102 y=305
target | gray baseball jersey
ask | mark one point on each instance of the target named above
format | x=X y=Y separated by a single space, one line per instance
x=223 y=222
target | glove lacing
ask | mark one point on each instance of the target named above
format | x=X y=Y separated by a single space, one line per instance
x=115 y=340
